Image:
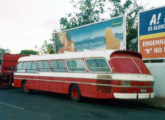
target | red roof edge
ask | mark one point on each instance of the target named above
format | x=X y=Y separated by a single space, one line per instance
x=136 y=54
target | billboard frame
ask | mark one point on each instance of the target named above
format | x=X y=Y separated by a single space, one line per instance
x=124 y=28
x=139 y=31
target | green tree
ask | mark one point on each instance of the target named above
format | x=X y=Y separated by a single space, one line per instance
x=29 y=52
x=4 y=51
x=131 y=9
x=48 y=48
x=89 y=11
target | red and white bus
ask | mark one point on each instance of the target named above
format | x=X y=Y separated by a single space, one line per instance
x=97 y=74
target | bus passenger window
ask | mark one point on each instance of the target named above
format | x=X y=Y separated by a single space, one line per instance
x=58 y=66
x=75 y=65
x=97 y=65
x=24 y=67
x=19 y=67
x=34 y=68
x=31 y=67
x=43 y=66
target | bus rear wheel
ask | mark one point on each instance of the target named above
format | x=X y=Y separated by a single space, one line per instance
x=75 y=93
x=25 y=87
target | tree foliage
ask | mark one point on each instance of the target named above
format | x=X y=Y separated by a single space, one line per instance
x=4 y=51
x=47 y=48
x=89 y=11
x=131 y=9
x=29 y=52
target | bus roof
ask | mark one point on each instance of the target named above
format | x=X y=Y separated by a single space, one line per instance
x=70 y=55
x=107 y=54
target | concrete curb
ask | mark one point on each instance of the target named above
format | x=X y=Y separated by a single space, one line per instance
x=155 y=103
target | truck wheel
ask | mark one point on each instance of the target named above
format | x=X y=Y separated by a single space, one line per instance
x=74 y=93
x=25 y=87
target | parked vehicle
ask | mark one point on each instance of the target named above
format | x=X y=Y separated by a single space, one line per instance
x=96 y=74
x=8 y=63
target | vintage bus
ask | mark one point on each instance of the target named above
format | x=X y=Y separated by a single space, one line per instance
x=100 y=74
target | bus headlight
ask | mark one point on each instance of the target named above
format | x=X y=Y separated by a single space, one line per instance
x=126 y=83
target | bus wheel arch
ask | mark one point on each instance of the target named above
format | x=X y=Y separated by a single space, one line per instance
x=74 y=93
x=25 y=87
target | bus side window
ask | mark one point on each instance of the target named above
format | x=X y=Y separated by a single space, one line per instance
x=34 y=68
x=46 y=66
x=43 y=66
x=97 y=65
x=19 y=67
x=58 y=66
x=24 y=67
x=31 y=67
x=40 y=65
x=76 y=65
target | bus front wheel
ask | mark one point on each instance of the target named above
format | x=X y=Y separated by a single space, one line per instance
x=25 y=87
x=75 y=93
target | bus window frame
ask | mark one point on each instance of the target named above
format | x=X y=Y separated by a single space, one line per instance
x=25 y=70
x=16 y=70
x=98 y=71
x=48 y=61
x=76 y=71
x=59 y=60
x=31 y=67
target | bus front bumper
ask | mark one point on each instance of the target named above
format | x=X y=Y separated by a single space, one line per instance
x=133 y=95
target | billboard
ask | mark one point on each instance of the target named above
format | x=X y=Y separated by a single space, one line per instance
x=109 y=34
x=152 y=33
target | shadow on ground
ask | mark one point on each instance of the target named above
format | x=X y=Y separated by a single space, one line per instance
x=129 y=104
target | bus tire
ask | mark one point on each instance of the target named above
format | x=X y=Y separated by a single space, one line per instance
x=74 y=93
x=25 y=87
